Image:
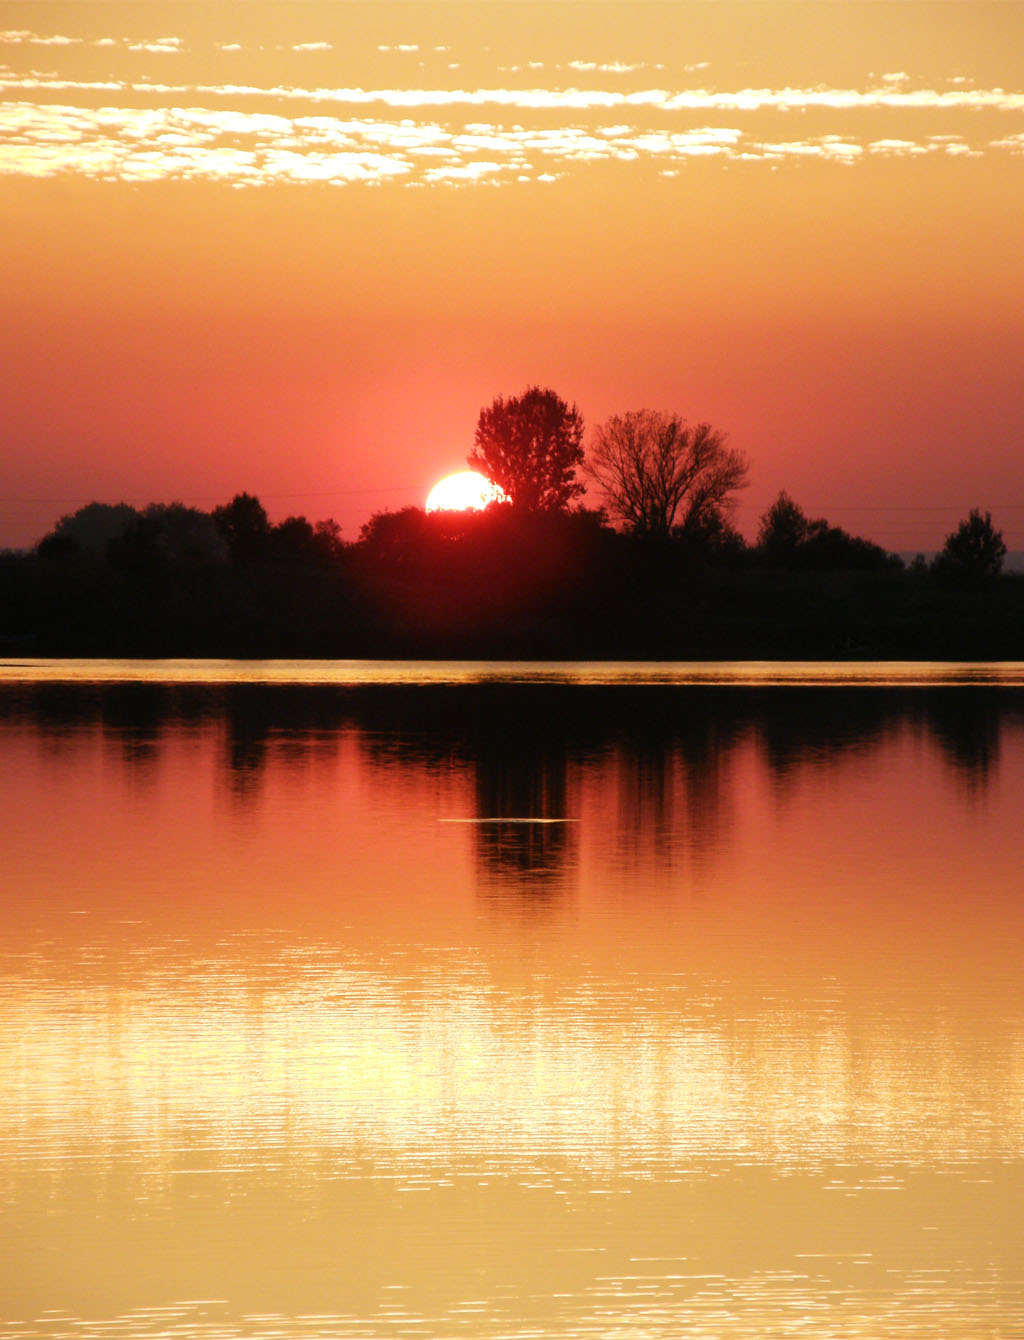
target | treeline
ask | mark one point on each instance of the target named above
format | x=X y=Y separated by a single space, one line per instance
x=658 y=571
x=509 y=582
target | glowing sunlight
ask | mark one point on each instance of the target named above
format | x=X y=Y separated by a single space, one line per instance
x=462 y=491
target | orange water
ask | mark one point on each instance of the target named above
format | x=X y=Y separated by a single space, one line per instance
x=506 y=1010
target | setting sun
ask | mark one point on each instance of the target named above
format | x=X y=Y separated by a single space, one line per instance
x=462 y=491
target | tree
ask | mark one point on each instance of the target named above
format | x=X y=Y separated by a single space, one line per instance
x=531 y=446
x=784 y=528
x=787 y=537
x=90 y=529
x=245 y=527
x=659 y=473
x=974 y=551
x=168 y=534
x=327 y=538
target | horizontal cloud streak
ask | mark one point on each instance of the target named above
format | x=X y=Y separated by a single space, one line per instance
x=260 y=148
x=94 y=124
x=569 y=99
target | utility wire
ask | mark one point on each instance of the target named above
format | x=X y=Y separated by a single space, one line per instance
x=414 y=488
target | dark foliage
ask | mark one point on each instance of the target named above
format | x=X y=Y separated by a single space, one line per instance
x=245 y=527
x=493 y=576
x=89 y=529
x=787 y=538
x=974 y=552
x=531 y=446
x=504 y=582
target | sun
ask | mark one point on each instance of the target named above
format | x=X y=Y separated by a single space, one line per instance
x=462 y=491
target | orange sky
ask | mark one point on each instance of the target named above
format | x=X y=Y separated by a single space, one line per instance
x=294 y=248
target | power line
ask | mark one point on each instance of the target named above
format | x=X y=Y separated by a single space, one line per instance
x=414 y=488
x=214 y=497
x=889 y=507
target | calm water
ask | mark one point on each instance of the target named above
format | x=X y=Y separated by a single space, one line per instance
x=370 y=1002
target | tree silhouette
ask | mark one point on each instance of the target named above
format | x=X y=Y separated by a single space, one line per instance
x=787 y=537
x=244 y=525
x=659 y=473
x=784 y=528
x=531 y=446
x=974 y=551
x=167 y=534
x=90 y=529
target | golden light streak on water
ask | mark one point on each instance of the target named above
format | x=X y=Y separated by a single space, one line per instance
x=908 y=674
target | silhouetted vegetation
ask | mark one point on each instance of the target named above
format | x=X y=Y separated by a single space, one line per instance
x=531 y=577
x=531 y=445
x=659 y=474
x=787 y=538
x=974 y=552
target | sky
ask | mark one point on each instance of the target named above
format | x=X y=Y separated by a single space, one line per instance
x=294 y=248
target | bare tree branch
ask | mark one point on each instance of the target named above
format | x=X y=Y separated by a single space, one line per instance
x=659 y=473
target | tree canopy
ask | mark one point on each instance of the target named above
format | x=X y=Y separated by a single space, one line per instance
x=531 y=446
x=788 y=538
x=245 y=526
x=91 y=528
x=659 y=473
x=974 y=551
x=784 y=528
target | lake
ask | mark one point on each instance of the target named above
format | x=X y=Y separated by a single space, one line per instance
x=508 y=1001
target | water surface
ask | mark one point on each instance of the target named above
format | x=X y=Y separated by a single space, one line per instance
x=392 y=1005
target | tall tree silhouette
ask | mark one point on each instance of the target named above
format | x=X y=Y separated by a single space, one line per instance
x=657 y=472
x=531 y=446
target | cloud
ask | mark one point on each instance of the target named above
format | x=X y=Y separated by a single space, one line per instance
x=162 y=45
x=593 y=99
x=579 y=99
x=889 y=93
x=897 y=148
x=1014 y=143
x=259 y=148
x=608 y=67
x=22 y=37
x=466 y=172
x=254 y=135
x=828 y=147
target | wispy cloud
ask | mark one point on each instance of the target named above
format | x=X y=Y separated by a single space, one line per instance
x=254 y=135
x=690 y=100
x=23 y=37
x=1014 y=143
x=259 y=148
x=166 y=45
x=577 y=99
x=606 y=67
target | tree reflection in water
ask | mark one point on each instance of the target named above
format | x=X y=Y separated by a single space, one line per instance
x=525 y=747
